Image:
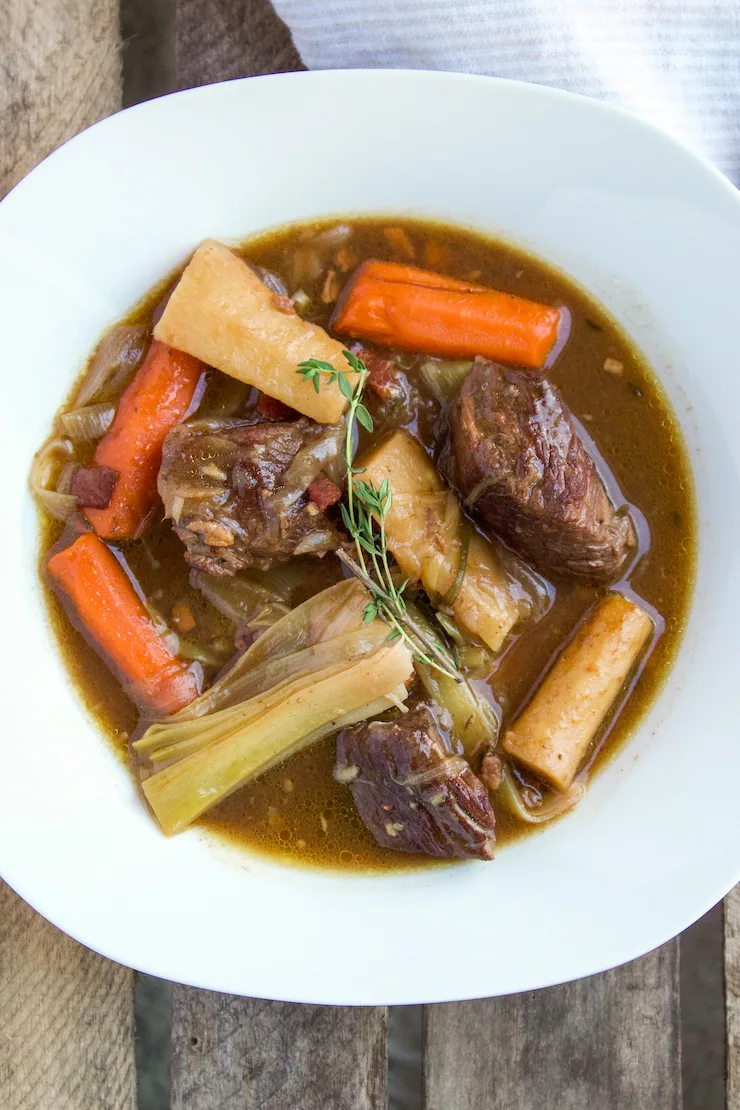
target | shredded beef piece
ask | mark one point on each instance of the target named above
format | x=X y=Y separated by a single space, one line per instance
x=222 y=483
x=411 y=791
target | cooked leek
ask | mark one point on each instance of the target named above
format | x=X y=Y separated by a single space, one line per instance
x=241 y=598
x=244 y=741
x=323 y=617
x=87 y=423
x=472 y=721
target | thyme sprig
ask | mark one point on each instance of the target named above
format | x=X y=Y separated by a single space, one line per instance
x=364 y=516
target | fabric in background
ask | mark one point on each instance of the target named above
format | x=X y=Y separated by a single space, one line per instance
x=675 y=62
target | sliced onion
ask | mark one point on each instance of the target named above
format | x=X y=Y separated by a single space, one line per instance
x=510 y=797
x=307 y=265
x=301 y=301
x=89 y=422
x=47 y=467
x=116 y=357
x=274 y=283
x=314 y=541
x=333 y=236
x=66 y=474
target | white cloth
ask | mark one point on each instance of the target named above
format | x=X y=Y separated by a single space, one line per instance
x=676 y=62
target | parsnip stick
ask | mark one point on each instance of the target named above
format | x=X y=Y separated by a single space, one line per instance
x=223 y=314
x=552 y=734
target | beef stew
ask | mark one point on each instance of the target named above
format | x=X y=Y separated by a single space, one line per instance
x=361 y=496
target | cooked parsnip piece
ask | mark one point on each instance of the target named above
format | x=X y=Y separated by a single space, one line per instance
x=427 y=534
x=223 y=314
x=553 y=732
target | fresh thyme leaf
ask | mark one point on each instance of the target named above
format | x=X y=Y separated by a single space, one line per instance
x=317 y=364
x=364 y=417
x=358 y=366
x=346 y=519
x=316 y=385
x=395 y=635
x=370 y=612
x=344 y=387
x=368 y=546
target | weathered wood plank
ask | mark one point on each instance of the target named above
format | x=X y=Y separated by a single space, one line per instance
x=245 y=1054
x=66 y=1019
x=612 y=1041
x=66 y=1015
x=216 y=40
x=59 y=72
x=732 y=996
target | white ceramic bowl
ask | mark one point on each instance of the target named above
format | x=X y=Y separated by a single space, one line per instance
x=637 y=219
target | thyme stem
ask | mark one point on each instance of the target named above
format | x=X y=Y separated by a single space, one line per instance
x=365 y=505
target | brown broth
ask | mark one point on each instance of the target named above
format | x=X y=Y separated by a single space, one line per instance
x=296 y=812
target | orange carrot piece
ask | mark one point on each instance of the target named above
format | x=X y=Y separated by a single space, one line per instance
x=416 y=310
x=155 y=401
x=117 y=622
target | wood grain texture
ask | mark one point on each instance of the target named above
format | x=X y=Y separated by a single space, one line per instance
x=216 y=40
x=245 y=1054
x=59 y=72
x=66 y=1015
x=732 y=996
x=66 y=1019
x=610 y=1042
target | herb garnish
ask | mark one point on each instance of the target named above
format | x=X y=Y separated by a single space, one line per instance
x=364 y=517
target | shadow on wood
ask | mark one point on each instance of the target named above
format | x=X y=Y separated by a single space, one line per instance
x=216 y=40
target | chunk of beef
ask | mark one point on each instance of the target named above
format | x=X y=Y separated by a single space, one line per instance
x=237 y=493
x=519 y=462
x=411 y=791
x=93 y=486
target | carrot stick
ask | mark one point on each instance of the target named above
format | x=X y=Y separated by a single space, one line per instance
x=416 y=310
x=117 y=622
x=155 y=401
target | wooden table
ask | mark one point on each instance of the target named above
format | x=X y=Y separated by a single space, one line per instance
x=612 y=1042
